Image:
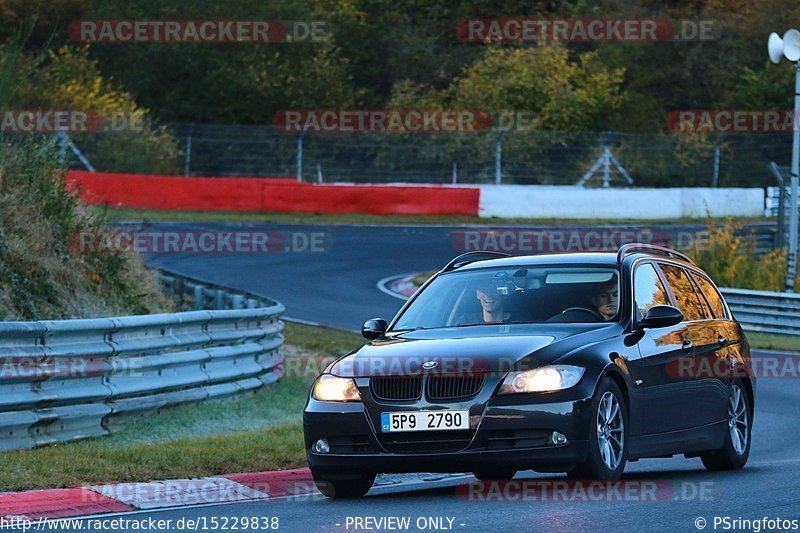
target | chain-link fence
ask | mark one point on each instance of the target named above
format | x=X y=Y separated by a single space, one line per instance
x=523 y=157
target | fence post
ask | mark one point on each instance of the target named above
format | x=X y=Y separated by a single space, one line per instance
x=199 y=297
x=498 y=160
x=300 y=155
x=63 y=141
x=187 y=161
x=781 y=233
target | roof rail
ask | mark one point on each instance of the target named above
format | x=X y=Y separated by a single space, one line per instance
x=471 y=257
x=633 y=247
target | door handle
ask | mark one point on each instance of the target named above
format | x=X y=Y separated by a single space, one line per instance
x=687 y=346
x=722 y=340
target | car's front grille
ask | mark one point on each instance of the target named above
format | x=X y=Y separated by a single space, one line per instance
x=427 y=441
x=453 y=387
x=396 y=387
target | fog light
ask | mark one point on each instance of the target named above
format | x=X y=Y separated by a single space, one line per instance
x=557 y=438
x=321 y=446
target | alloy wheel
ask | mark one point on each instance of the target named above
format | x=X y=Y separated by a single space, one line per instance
x=737 y=420
x=610 y=430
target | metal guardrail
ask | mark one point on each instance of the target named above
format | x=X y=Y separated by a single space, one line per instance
x=768 y=312
x=772 y=201
x=195 y=295
x=71 y=379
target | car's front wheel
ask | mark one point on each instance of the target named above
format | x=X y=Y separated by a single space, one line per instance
x=346 y=487
x=733 y=455
x=607 y=435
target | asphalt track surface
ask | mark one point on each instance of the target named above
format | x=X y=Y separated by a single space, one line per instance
x=336 y=286
x=339 y=287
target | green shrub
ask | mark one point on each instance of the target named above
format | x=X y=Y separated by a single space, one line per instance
x=731 y=259
x=69 y=79
x=41 y=275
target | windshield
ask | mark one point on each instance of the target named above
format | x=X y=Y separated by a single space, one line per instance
x=515 y=295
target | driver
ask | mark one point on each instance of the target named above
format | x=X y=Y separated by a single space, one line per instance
x=606 y=299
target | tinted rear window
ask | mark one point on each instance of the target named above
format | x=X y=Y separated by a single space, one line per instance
x=687 y=299
x=713 y=297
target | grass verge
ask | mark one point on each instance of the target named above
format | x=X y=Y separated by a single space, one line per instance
x=321 y=340
x=255 y=432
x=772 y=341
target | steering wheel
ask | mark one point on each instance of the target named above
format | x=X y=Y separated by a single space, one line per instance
x=585 y=310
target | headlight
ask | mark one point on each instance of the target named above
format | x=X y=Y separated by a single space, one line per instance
x=544 y=379
x=330 y=388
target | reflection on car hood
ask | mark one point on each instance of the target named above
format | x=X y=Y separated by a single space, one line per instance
x=465 y=350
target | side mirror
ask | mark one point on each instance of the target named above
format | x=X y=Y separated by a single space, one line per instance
x=661 y=316
x=374 y=328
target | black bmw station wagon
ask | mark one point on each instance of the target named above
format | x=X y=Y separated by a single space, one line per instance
x=571 y=363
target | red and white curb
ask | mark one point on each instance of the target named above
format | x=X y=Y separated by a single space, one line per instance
x=399 y=286
x=100 y=499
x=232 y=488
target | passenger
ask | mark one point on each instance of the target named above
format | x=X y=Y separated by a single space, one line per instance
x=606 y=299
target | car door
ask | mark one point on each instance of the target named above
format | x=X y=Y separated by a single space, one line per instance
x=715 y=370
x=667 y=398
x=699 y=364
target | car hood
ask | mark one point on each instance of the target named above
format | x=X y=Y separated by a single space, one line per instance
x=475 y=349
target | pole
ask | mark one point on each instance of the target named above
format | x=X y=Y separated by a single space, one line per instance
x=791 y=264
x=716 y=166
x=455 y=173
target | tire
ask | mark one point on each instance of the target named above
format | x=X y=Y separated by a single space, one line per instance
x=734 y=453
x=349 y=487
x=608 y=443
x=495 y=475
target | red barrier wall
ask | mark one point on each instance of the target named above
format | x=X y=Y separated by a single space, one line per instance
x=268 y=194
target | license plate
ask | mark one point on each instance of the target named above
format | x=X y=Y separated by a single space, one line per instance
x=424 y=421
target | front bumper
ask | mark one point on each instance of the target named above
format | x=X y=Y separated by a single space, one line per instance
x=509 y=432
